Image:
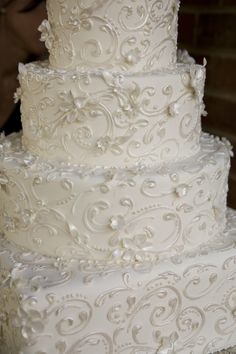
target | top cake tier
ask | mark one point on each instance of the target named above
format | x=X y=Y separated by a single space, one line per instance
x=122 y=35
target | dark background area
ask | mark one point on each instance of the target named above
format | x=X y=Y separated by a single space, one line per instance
x=207 y=28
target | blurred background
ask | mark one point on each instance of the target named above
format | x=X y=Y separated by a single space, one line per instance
x=207 y=28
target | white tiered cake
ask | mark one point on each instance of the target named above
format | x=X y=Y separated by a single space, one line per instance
x=116 y=235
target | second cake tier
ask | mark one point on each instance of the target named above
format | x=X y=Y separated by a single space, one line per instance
x=110 y=213
x=110 y=119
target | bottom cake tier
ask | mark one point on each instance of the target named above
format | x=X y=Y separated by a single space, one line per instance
x=186 y=304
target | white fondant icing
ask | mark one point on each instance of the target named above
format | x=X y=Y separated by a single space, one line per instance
x=106 y=213
x=125 y=35
x=112 y=119
x=181 y=305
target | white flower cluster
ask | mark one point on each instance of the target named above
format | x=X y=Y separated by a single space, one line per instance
x=46 y=34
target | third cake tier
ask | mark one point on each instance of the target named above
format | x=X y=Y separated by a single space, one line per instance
x=118 y=214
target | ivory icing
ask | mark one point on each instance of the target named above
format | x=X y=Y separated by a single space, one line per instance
x=112 y=119
x=124 y=35
x=181 y=305
x=110 y=213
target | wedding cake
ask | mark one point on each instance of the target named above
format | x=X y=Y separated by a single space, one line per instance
x=116 y=237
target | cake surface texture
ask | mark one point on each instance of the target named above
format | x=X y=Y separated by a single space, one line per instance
x=182 y=305
x=105 y=118
x=115 y=236
x=123 y=35
x=111 y=213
